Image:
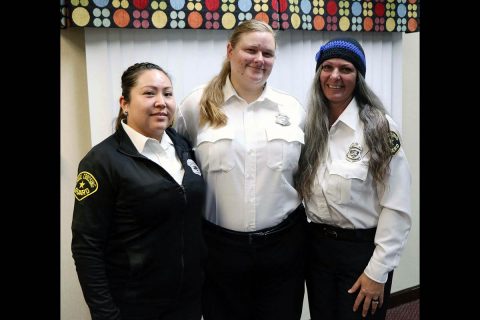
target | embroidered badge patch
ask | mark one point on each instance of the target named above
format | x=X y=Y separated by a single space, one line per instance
x=282 y=119
x=354 y=152
x=86 y=185
x=393 y=142
x=194 y=167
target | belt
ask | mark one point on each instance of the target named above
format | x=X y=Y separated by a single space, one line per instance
x=332 y=232
x=257 y=237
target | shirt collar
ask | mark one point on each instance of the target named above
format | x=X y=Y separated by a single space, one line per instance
x=139 y=140
x=349 y=116
x=267 y=94
x=166 y=141
x=229 y=90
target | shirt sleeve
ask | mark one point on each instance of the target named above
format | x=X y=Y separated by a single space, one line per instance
x=91 y=222
x=395 y=217
x=188 y=116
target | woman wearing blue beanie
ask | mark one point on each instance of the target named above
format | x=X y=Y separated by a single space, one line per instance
x=355 y=181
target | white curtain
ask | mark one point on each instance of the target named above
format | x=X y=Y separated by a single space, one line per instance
x=192 y=57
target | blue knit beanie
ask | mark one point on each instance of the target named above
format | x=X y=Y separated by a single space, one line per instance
x=344 y=48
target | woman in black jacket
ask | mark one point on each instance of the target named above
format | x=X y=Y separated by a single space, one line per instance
x=137 y=242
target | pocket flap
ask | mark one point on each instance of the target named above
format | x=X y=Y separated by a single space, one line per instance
x=287 y=133
x=349 y=170
x=215 y=134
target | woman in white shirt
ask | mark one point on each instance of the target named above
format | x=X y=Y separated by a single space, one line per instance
x=355 y=180
x=247 y=138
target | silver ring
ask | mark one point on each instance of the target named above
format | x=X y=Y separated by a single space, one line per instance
x=375 y=301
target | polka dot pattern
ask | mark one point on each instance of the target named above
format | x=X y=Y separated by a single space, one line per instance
x=314 y=15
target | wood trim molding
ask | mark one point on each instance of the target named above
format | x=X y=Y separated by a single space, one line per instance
x=404 y=296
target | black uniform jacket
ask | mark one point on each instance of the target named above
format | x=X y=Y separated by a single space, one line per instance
x=137 y=241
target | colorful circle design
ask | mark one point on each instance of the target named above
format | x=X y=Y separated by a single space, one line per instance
x=121 y=18
x=228 y=20
x=279 y=5
x=158 y=5
x=177 y=4
x=344 y=11
x=326 y=15
x=247 y=16
x=306 y=6
x=80 y=16
x=100 y=3
x=412 y=24
x=368 y=24
x=296 y=21
x=212 y=5
x=379 y=24
x=82 y=3
x=332 y=23
x=356 y=9
x=344 y=23
x=318 y=23
x=401 y=10
x=380 y=9
x=390 y=24
x=124 y=4
x=357 y=24
x=159 y=19
x=195 y=19
x=331 y=7
x=140 y=4
x=244 y=5
x=306 y=22
x=262 y=16
x=212 y=20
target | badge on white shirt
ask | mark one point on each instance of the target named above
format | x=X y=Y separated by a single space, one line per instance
x=354 y=152
x=282 y=119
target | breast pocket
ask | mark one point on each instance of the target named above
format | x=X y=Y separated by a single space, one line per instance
x=342 y=177
x=283 y=147
x=215 y=149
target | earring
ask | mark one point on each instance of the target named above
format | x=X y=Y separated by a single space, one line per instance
x=125 y=113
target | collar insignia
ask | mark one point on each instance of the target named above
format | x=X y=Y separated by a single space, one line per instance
x=86 y=185
x=282 y=119
x=354 y=152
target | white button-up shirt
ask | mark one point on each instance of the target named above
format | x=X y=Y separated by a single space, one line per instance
x=249 y=163
x=161 y=152
x=345 y=195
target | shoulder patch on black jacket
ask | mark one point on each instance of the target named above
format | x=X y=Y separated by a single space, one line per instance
x=86 y=185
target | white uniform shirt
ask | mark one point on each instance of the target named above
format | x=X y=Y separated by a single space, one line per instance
x=248 y=164
x=344 y=194
x=161 y=152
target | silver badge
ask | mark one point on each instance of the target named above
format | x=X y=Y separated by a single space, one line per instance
x=282 y=119
x=194 y=167
x=354 y=152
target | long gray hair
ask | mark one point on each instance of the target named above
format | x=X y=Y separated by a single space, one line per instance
x=376 y=131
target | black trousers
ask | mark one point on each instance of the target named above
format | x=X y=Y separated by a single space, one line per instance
x=256 y=275
x=188 y=307
x=335 y=261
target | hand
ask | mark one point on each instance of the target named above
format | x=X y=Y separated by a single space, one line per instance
x=371 y=291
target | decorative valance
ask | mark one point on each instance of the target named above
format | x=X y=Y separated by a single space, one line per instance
x=316 y=15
